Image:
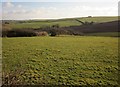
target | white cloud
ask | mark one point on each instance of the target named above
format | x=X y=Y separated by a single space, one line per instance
x=94 y=11
x=19 y=6
x=19 y=12
x=9 y=5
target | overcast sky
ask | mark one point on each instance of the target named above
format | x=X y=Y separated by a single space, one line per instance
x=55 y=9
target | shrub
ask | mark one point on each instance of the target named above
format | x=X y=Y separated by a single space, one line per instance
x=53 y=32
x=23 y=33
x=4 y=33
x=89 y=16
x=42 y=33
x=6 y=22
x=78 y=33
x=18 y=33
x=55 y=26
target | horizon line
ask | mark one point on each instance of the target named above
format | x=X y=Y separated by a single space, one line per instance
x=58 y=18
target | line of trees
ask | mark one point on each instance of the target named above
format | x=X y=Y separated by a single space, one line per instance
x=53 y=30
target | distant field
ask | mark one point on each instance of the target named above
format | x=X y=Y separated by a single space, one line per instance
x=69 y=60
x=61 y=22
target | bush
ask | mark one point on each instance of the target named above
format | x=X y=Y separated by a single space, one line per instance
x=23 y=33
x=55 y=26
x=53 y=32
x=78 y=33
x=18 y=33
x=6 y=22
x=42 y=33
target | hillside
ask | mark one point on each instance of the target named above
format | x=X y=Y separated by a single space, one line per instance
x=69 y=26
x=95 y=28
x=17 y=24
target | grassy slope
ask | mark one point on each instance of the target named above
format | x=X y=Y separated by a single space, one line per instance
x=61 y=60
x=62 y=22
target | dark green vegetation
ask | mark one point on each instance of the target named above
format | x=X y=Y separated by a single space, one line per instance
x=72 y=60
x=70 y=26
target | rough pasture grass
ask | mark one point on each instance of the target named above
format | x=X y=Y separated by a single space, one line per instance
x=42 y=24
x=60 y=60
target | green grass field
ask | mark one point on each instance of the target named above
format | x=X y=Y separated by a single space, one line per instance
x=61 y=22
x=69 y=60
